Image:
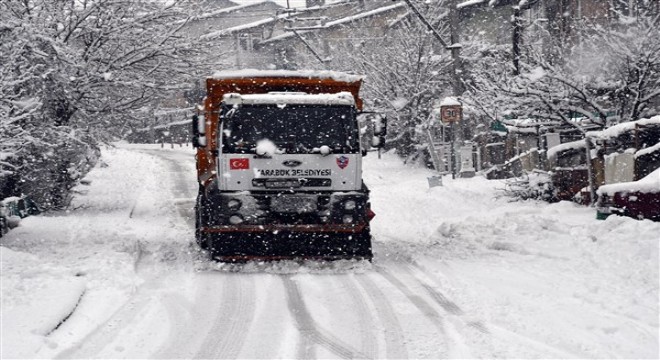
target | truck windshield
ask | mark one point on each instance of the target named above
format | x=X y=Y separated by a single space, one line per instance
x=292 y=128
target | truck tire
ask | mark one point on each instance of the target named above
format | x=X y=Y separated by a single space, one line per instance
x=363 y=246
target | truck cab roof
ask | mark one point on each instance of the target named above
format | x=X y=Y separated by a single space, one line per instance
x=283 y=98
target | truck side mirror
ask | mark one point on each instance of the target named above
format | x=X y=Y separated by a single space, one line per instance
x=198 y=131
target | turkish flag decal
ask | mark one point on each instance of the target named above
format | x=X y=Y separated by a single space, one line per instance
x=239 y=164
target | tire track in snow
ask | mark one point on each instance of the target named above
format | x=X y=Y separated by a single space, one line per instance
x=365 y=316
x=183 y=192
x=501 y=333
x=310 y=332
x=395 y=347
x=178 y=344
x=455 y=324
x=548 y=351
x=441 y=299
x=177 y=253
x=234 y=317
x=456 y=347
x=92 y=344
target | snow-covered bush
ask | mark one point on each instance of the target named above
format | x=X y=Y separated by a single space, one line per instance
x=533 y=185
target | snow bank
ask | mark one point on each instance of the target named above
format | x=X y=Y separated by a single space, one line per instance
x=85 y=258
x=36 y=298
x=550 y=280
x=526 y=279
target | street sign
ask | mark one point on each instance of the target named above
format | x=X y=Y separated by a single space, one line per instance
x=450 y=114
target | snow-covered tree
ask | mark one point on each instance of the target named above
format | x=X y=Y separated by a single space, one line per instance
x=75 y=73
x=611 y=74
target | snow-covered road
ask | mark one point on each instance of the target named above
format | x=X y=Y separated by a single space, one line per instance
x=459 y=272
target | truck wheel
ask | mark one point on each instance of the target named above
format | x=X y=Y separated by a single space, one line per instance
x=364 y=245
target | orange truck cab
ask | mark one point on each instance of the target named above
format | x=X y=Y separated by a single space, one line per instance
x=279 y=166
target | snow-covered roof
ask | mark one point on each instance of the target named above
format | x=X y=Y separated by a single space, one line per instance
x=10 y=199
x=228 y=10
x=616 y=130
x=648 y=150
x=469 y=3
x=450 y=101
x=342 y=98
x=247 y=26
x=337 y=22
x=174 y=123
x=573 y=145
x=649 y=184
x=5 y=155
x=254 y=73
x=521 y=130
x=162 y=112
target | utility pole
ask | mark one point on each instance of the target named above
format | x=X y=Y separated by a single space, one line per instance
x=516 y=37
x=455 y=48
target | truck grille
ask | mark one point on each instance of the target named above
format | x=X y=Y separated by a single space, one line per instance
x=291 y=183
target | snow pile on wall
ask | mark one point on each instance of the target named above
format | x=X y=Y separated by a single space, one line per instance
x=649 y=184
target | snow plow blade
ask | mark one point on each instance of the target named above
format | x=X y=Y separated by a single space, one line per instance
x=244 y=247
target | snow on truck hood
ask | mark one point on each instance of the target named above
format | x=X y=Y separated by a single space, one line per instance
x=253 y=73
x=342 y=98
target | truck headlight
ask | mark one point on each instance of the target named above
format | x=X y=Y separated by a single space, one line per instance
x=350 y=205
x=235 y=219
x=347 y=219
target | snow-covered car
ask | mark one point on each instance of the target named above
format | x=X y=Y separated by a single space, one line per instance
x=4 y=226
x=638 y=199
x=13 y=209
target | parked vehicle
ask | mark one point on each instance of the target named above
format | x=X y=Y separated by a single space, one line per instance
x=568 y=166
x=619 y=154
x=279 y=165
x=4 y=225
x=13 y=209
x=638 y=199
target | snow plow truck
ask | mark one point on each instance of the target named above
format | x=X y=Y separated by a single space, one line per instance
x=279 y=166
